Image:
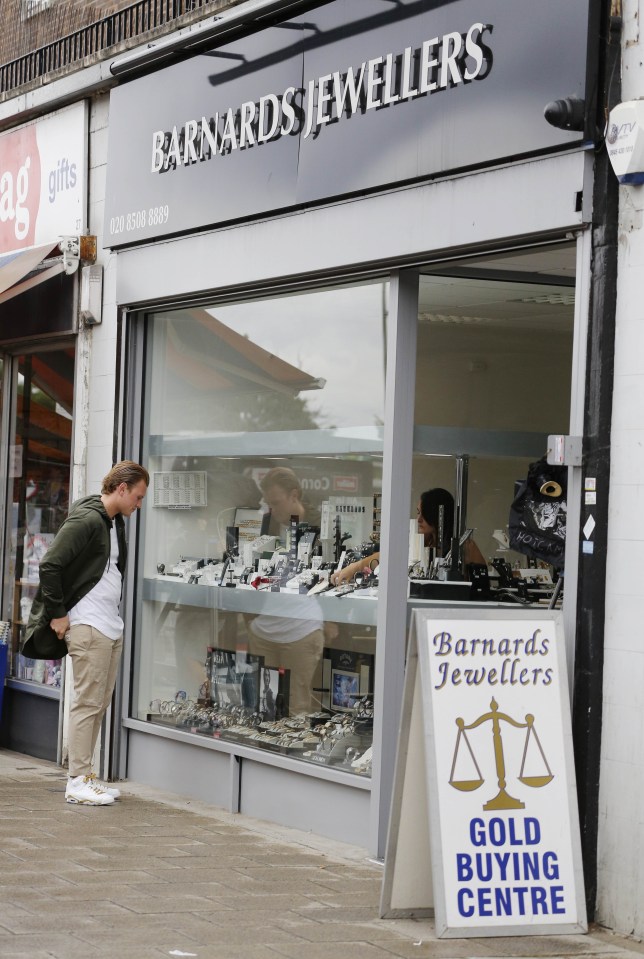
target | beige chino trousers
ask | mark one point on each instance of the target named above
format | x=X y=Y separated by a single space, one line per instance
x=95 y=660
x=304 y=660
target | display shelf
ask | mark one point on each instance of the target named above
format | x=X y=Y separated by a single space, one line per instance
x=35 y=688
x=302 y=750
x=341 y=441
x=360 y=609
x=345 y=609
x=437 y=440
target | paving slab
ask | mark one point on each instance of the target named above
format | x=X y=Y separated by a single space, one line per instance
x=157 y=875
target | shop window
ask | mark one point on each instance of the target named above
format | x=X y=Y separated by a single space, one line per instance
x=39 y=470
x=493 y=380
x=263 y=434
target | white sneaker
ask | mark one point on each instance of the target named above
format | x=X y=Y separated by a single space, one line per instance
x=110 y=790
x=83 y=789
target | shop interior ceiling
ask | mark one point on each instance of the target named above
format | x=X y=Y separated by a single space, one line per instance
x=50 y=425
x=530 y=290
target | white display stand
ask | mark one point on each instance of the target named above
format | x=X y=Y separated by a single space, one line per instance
x=484 y=828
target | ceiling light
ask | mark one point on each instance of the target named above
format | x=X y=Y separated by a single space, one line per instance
x=554 y=299
x=451 y=319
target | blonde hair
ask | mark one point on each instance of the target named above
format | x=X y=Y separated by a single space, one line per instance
x=283 y=477
x=126 y=472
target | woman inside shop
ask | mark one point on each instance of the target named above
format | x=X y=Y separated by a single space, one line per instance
x=283 y=496
x=429 y=508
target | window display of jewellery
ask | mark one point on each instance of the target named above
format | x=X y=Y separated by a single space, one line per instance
x=345 y=740
x=276 y=569
x=342 y=740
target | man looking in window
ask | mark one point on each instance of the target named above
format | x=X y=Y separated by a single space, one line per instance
x=81 y=580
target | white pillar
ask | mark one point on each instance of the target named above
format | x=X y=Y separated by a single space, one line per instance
x=620 y=897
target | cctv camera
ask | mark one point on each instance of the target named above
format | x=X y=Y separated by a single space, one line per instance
x=566 y=114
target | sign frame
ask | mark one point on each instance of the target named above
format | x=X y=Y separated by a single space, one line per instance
x=44 y=170
x=337 y=106
x=424 y=804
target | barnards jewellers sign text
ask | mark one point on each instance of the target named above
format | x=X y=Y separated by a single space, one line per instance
x=345 y=100
x=438 y=64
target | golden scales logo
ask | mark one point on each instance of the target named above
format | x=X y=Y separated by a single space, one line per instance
x=502 y=800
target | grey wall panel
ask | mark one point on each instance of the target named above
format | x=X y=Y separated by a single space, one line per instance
x=302 y=802
x=180 y=768
x=30 y=724
x=528 y=199
x=266 y=792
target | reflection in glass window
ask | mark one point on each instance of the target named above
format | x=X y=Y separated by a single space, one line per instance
x=263 y=429
x=270 y=365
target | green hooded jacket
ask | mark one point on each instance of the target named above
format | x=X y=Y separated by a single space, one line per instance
x=71 y=567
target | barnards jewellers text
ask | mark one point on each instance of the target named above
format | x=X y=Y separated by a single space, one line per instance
x=508 y=661
x=437 y=64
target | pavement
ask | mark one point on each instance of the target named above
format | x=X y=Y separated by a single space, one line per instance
x=158 y=875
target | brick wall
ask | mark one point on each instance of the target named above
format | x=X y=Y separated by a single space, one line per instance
x=21 y=33
x=28 y=25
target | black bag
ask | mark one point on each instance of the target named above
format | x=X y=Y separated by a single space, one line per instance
x=42 y=643
x=537 y=525
x=39 y=640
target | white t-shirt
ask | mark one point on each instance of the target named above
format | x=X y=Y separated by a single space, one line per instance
x=100 y=607
x=282 y=629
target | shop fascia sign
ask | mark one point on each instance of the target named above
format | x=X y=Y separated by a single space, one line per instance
x=42 y=180
x=338 y=105
x=438 y=64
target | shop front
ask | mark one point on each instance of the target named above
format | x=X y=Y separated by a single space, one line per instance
x=352 y=266
x=43 y=203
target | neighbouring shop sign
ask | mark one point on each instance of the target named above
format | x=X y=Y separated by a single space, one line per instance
x=344 y=99
x=493 y=738
x=43 y=180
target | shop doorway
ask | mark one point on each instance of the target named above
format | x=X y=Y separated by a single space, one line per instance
x=39 y=398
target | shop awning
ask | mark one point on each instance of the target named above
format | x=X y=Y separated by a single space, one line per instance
x=24 y=269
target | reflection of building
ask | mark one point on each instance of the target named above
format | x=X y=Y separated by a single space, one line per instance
x=399 y=242
x=203 y=357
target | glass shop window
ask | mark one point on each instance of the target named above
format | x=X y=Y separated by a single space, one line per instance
x=493 y=380
x=40 y=463
x=263 y=433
